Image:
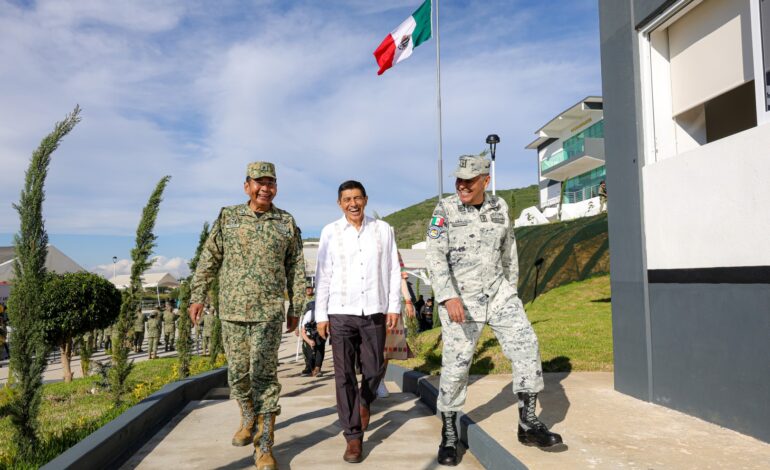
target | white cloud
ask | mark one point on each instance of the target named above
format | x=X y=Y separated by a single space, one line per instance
x=196 y=90
x=176 y=266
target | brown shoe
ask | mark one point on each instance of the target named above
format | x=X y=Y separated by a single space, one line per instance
x=365 y=415
x=243 y=435
x=316 y=372
x=263 y=443
x=353 y=451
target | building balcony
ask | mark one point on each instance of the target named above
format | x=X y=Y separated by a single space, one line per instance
x=584 y=155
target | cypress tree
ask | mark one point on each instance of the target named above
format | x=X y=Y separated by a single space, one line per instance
x=184 y=302
x=28 y=361
x=140 y=255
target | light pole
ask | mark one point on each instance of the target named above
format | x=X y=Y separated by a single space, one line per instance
x=493 y=140
x=114 y=260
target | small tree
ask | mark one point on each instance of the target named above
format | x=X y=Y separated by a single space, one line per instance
x=140 y=255
x=75 y=304
x=24 y=305
x=216 y=331
x=183 y=343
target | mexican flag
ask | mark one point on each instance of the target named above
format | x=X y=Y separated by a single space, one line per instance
x=398 y=45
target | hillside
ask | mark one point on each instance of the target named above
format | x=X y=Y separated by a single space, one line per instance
x=571 y=251
x=411 y=223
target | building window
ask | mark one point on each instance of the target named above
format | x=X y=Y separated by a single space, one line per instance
x=700 y=66
x=585 y=186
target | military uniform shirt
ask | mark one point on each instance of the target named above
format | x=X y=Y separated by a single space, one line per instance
x=470 y=251
x=256 y=259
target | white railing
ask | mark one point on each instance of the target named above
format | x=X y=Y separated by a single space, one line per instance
x=554 y=201
x=581 y=195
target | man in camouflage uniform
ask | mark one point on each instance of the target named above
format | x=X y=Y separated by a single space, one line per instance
x=153 y=333
x=473 y=265
x=255 y=250
x=139 y=320
x=169 y=327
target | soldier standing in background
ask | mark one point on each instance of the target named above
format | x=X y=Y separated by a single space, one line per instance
x=139 y=320
x=153 y=333
x=107 y=335
x=169 y=327
x=602 y=196
x=255 y=250
x=473 y=265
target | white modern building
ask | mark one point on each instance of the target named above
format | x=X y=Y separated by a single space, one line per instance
x=570 y=154
x=687 y=110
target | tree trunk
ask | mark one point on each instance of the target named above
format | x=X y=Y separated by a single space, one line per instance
x=66 y=356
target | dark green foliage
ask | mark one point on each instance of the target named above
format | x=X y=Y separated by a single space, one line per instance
x=140 y=255
x=572 y=251
x=184 y=341
x=216 y=341
x=77 y=303
x=410 y=224
x=24 y=305
x=184 y=324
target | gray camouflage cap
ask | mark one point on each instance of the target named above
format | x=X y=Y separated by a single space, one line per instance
x=471 y=166
x=257 y=170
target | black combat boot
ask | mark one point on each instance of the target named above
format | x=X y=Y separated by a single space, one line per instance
x=447 y=451
x=531 y=430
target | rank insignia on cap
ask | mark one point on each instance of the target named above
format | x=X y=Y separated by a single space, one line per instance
x=437 y=221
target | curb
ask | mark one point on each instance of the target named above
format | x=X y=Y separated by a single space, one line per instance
x=484 y=447
x=111 y=445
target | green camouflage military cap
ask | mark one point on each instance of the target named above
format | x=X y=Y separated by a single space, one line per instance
x=260 y=170
x=471 y=166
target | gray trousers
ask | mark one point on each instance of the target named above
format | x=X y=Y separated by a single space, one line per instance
x=504 y=313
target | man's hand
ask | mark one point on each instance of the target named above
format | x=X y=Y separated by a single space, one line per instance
x=195 y=311
x=455 y=309
x=392 y=321
x=409 y=307
x=323 y=329
x=291 y=324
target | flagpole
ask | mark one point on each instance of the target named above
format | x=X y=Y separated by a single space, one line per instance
x=438 y=103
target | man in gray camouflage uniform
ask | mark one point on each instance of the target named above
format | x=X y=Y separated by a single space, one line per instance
x=255 y=250
x=473 y=265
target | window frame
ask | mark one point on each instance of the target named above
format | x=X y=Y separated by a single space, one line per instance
x=645 y=56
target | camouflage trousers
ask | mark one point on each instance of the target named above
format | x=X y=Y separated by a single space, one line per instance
x=504 y=313
x=152 y=343
x=251 y=349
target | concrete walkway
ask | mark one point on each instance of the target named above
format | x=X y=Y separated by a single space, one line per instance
x=403 y=433
x=602 y=429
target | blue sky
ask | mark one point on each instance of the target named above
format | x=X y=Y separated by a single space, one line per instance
x=197 y=89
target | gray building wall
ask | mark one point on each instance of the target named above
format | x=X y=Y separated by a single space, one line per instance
x=703 y=349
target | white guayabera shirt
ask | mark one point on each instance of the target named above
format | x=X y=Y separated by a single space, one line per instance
x=357 y=272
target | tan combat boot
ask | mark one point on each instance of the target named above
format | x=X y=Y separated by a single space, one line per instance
x=263 y=443
x=243 y=436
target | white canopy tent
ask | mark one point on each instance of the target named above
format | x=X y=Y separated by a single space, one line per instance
x=149 y=280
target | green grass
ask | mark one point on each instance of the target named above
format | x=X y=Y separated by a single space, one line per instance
x=411 y=223
x=71 y=411
x=573 y=324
